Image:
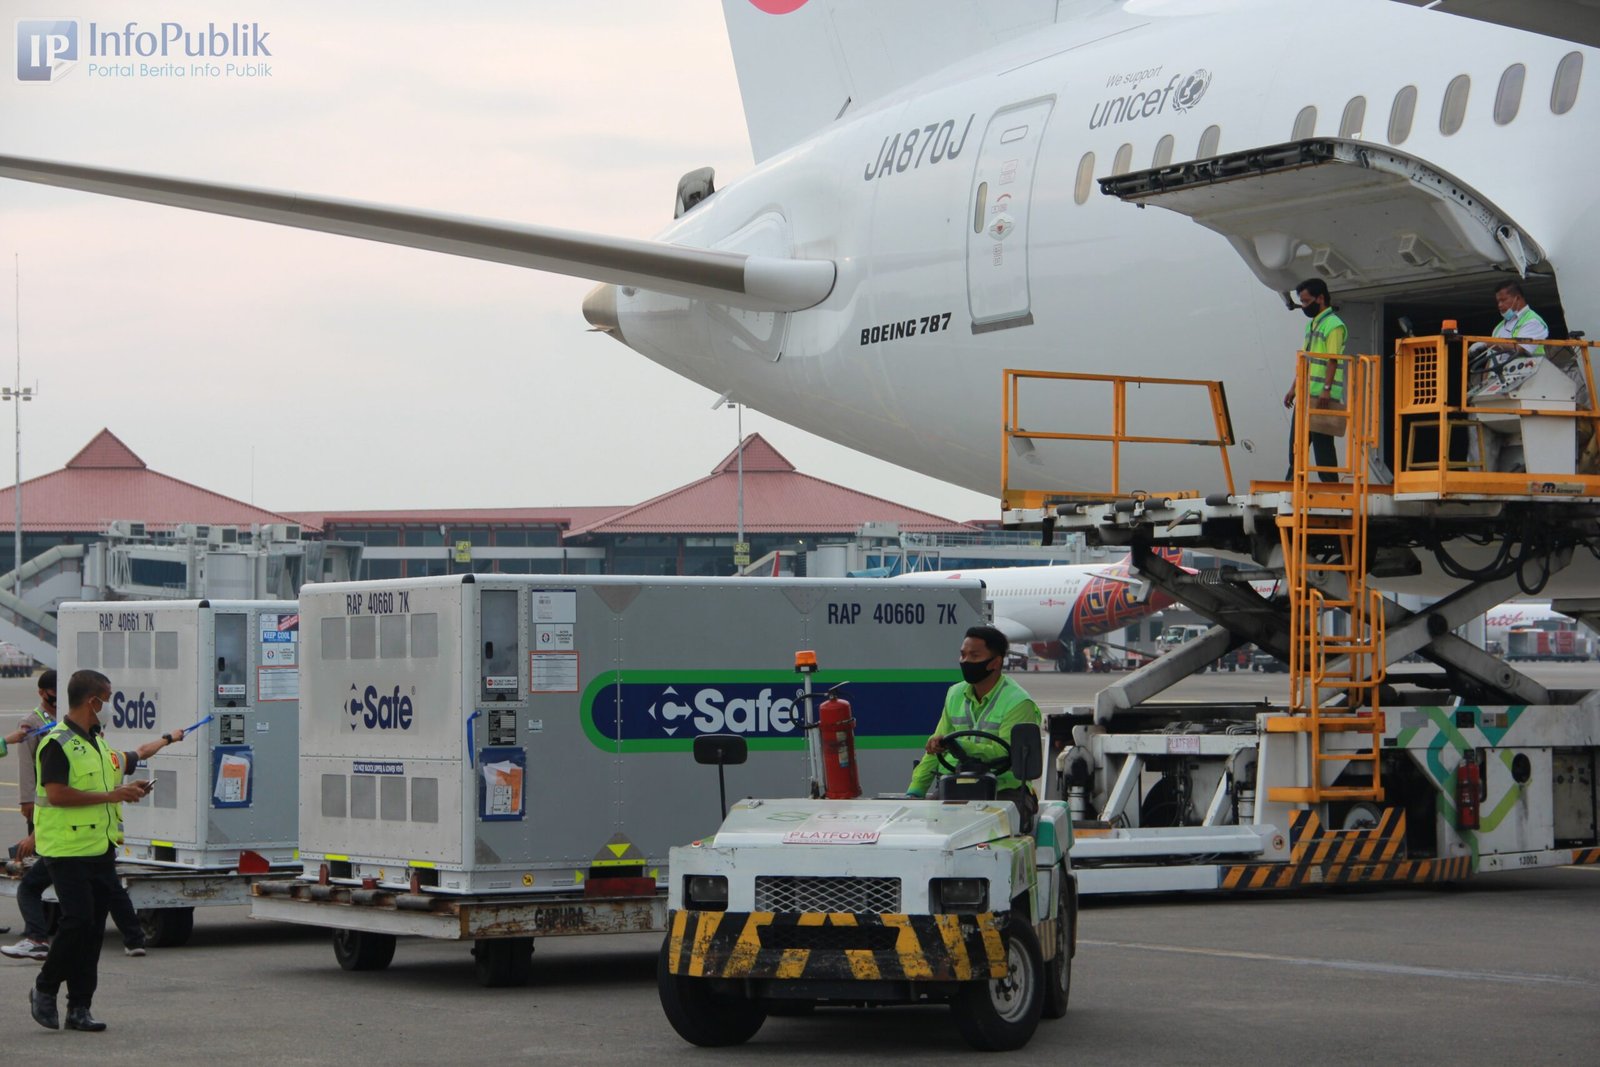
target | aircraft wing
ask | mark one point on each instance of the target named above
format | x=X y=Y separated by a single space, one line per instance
x=1569 y=20
x=760 y=283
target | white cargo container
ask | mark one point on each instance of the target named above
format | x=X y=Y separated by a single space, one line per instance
x=228 y=789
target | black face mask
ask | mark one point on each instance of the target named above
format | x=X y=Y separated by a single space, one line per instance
x=974 y=673
x=1310 y=311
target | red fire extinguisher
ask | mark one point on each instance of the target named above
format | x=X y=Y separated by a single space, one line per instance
x=1469 y=784
x=838 y=726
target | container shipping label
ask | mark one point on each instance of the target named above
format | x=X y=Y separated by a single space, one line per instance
x=552 y=672
x=278 y=659
x=231 y=776
x=554 y=605
x=502 y=773
x=839 y=828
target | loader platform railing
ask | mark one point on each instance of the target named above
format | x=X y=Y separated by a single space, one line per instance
x=1020 y=437
x=1515 y=418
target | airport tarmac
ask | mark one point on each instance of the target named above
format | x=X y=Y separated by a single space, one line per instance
x=1501 y=969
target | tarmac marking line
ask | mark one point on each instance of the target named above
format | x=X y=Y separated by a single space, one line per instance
x=1355 y=965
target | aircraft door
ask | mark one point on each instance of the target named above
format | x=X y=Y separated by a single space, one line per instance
x=997 y=217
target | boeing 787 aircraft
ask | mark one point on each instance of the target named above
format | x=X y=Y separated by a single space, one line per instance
x=926 y=211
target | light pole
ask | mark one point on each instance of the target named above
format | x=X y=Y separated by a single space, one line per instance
x=17 y=395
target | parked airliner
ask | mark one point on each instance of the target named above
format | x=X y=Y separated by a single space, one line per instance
x=925 y=212
x=1051 y=608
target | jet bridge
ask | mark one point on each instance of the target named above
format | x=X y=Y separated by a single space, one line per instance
x=1376 y=771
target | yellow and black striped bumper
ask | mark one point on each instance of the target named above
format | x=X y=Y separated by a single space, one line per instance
x=1318 y=856
x=835 y=945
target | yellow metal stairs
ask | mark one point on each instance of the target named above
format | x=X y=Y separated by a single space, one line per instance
x=1334 y=680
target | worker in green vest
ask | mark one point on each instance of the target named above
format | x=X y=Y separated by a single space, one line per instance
x=77 y=827
x=1326 y=385
x=986 y=700
x=1517 y=319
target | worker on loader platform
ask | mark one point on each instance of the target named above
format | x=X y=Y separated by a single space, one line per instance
x=985 y=700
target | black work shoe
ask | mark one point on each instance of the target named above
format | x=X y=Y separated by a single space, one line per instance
x=43 y=1008
x=80 y=1019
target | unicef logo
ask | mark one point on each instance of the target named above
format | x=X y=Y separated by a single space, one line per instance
x=1192 y=89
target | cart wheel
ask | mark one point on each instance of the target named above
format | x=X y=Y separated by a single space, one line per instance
x=166 y=927
x=700 y=1016
x=1001 y=1014
x=503 y=961
x=357 y=950
x=1058 y=972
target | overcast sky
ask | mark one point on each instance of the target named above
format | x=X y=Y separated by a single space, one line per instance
x=306 y=371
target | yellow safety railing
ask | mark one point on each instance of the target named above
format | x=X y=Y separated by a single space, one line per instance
x=1017 y=496
x=1445 y=437
x=1325 y=545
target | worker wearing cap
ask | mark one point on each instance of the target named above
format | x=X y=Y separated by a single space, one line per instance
x=77 y=828
x=986 y=700
x=1325 y=334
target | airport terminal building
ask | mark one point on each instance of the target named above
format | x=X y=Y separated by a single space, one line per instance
x=106 y=526
x=694 y=529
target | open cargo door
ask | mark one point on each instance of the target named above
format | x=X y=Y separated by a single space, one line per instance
x=1375 y=223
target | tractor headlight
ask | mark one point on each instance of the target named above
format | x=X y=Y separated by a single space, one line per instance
x=706 y=892
x=959 y=896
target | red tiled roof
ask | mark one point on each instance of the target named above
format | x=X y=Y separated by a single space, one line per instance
x=777 y=499
x=106 y=481
x=106 y=451
x=567 y=517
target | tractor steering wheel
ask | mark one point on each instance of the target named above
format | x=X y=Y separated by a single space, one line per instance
x=966 y=760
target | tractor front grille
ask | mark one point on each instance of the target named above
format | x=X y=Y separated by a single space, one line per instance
x=782 y=894
x=830 y=938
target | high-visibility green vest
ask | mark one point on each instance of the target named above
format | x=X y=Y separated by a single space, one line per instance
x=1006 y=701
x=1326 y=333
x=1526 y=316
x=89 y=829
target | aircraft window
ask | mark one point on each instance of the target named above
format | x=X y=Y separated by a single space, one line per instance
x=1355 y=115
x=1565 y=91
x=1163 y=154
x=1508 y=98
x=1305 y=124
x=1454 y=109
x=1080 y=192
x=1208 y=142
x=1400 y=115
x=1015 y=133
x=981 y=208
x=1123 y=161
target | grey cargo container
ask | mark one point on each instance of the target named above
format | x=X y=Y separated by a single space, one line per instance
x=507 y=734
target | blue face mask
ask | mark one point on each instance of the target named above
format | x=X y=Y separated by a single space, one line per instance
x=1510 y=315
